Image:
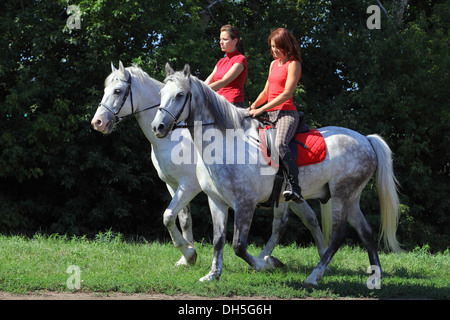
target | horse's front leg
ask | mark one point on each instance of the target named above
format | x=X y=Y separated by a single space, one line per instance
x=219 y=214
x=243 y=216
x=185 y=219
x=180 y=199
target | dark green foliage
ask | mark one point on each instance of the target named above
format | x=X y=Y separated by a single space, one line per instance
x=59 y=176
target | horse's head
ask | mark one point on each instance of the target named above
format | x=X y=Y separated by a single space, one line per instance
x=117 y=100
x=175 y=101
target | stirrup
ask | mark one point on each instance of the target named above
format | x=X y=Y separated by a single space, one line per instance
x=289 y=195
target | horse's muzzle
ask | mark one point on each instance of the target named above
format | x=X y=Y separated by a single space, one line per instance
x=103 y=123
x=160 y=131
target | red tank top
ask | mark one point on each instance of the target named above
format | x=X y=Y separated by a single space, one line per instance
x=277 y=82
x=234 y=91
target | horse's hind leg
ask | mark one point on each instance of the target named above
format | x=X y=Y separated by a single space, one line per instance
x=280 y=221
x=359 y=222
x=219 y=214
x=309 y=219
x=336 y=238
x=279 y=224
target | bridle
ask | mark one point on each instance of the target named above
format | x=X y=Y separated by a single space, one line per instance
x=128 y=92
x=178 y=115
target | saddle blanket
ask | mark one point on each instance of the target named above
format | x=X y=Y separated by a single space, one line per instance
x=308 y=147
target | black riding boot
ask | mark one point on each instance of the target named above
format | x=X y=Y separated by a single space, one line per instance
x=291 y=169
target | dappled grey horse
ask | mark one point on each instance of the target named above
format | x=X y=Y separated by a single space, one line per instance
x=131 y=91
x=350 y=162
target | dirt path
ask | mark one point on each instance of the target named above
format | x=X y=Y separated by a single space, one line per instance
x=49 y=295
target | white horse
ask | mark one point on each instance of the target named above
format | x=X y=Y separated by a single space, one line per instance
x=131 y=91
x=350 y=162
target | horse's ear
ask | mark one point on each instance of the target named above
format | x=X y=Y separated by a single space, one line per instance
x=169 y=70
x=187 y=70
x=121 y=67
x=113 y=69
x=123 y=70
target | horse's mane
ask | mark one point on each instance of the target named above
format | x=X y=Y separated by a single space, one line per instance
x=226 y=115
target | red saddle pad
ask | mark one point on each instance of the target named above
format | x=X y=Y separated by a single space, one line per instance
x=314 y=152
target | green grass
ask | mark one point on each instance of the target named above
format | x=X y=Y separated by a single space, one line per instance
x=109 y=264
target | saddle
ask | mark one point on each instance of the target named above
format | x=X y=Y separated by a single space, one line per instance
x=308 y=147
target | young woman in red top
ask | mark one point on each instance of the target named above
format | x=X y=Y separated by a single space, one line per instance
x=284 y=74
x=229 y=74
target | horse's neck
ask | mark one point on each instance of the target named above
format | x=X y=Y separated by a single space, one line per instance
x=147 y=97
x=203 y=118
x=219 y=147
x=144 y=120
x=202 y=110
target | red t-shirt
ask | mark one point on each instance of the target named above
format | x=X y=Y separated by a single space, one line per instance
x=277 y=82
x=234 y=91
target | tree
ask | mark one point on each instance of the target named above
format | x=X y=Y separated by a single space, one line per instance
x=57 y=175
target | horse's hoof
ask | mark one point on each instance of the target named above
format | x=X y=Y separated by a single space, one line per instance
x=309 y=285
x=181 y=262
x=187 y=262
x=273 y=262
x=192 y=259
x=209 y=277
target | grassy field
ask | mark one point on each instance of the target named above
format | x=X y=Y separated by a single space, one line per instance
x=109 y=264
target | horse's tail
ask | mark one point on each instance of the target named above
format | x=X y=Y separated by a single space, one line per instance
x=387 y=192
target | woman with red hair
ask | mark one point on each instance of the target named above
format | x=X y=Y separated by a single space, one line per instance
x=284 y=73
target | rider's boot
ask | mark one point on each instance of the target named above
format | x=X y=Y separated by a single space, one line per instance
x=290 y=167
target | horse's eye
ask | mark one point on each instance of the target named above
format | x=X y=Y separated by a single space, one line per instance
x=180 y=94
x=117 y=91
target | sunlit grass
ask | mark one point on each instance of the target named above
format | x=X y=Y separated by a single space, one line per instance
x=109 y=264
